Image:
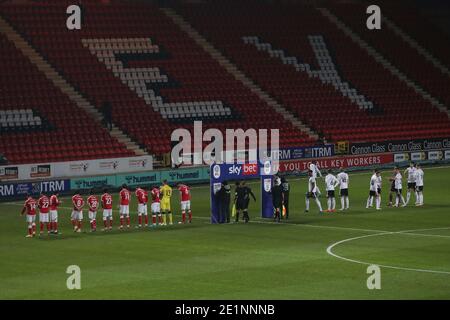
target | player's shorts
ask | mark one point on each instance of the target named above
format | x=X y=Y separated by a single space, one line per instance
x=53 y=215
x=156 y=207
x=43 y=217
x=77 y=215
x=107 y=213
x=419 y=188
x=186 y=205
x=277 y=205
x=311 y=195
x=330 y=194
x=142 y=208
x=344 y=192
x=92 y=215
x=124 y=210
x=242 y=204
x=372 y=193
x=411 y=185
x=31 y=218
x=165 y=205
x=398 y=191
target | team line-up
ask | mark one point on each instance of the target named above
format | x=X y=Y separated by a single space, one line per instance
x=161 y=200
x=160 y=208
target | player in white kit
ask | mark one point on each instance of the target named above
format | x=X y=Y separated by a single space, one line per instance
x=419 y=185
x=314 y=168
x=373 y=189
x=398 y=188
x=312 y=192
x=331 y=183
x=411 y=173
x=343 y=186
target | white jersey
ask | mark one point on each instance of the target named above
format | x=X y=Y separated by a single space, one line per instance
x=331 y=182
x=315 y=170
x=373 y=183
x=379 y=182
x=398 y=181
x=411 y=171
x=312 y=185
x=419 y=177
x=343 y=180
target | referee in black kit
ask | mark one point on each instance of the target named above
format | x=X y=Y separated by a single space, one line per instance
x=242 y=199
x=277 y=199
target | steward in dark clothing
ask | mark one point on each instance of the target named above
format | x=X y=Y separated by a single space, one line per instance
x=277 y=200
x=286 y=188
x=224 y=196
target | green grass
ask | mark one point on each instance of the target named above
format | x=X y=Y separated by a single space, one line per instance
x=260 y=260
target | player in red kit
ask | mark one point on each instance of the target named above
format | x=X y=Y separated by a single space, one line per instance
x=44 y=209
x=77 y=212
x=54 y=203
x=125 y=196
x=30 y=208
x=107 y=210
x=93 y=205
x=185 y=195
x=142 y=197
x=156 y=206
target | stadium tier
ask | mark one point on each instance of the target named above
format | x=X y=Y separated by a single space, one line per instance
x=39 y=123
x=303 y=60
x=154 y=76
x=418 y=67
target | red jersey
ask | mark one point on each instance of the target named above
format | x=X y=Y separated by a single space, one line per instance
x=106 y=201
x=30 y=205
x=78 y=202
x=54 y=202
x=124 y=197
x=142 y=195
x=155 y=195
x=44 y=204
x=93 y=203
x=185 y=192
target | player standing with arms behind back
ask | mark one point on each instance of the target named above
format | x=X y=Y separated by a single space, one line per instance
x=185 y=195
x=77 y=212
x=107 y=210
x=93 y=206
x=344 y=182
x=419 y=185
x=166 y=193
x=30 y=208
x=156 y=206
x=373 y=189
x=398 y=188
x=54 y=203
x=44 y=209
x=312 y=192
x=142 y=197
x=124 y=207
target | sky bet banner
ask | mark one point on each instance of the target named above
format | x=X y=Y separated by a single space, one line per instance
x=400 y=146
x=18 y=190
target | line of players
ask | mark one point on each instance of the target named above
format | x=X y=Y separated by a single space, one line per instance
x=415 y=178
x=160 y=209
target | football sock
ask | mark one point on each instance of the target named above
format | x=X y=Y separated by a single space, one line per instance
x=319 y=204
x=342 y=203
x=128 y=220
x=170 y=218
x=121 y=221
x=183 y=216
x=329 y=203
x=347 y=200
x=146 y=219
x=41 y=226
x=140 y=219
x=190 y=215
x=154 y=219
x=408 y=196
x=333 y=204
x=307 y=203
x=164 y=218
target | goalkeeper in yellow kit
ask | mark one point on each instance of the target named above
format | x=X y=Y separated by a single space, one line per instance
x=166 y=193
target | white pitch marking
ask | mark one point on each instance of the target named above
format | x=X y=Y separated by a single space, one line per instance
x=407 y=232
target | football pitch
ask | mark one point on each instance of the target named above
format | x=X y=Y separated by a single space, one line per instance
x=312 y=256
